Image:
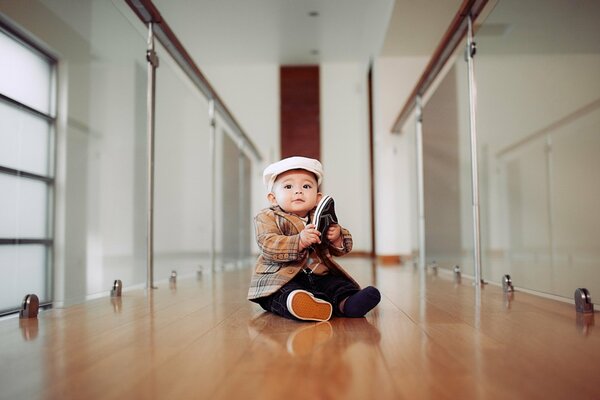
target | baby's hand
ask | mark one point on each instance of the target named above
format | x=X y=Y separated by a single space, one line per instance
x=334 y=234
x=309 y=236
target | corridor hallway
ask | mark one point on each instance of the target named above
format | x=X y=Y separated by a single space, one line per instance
x=431 y=337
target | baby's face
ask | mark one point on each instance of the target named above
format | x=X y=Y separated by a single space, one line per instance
x=295 y=192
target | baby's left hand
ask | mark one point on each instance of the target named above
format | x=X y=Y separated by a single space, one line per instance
x=334 y=235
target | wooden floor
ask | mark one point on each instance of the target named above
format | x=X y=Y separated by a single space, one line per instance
x=431 y=338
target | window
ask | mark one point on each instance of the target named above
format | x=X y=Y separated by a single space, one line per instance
x=27 y=125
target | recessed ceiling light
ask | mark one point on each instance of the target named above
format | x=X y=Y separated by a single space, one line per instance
x=313 y=14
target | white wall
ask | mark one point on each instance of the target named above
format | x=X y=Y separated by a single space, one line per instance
x=345 y=147
x=394 y=80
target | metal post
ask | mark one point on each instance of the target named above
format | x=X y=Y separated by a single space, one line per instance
x=470 y=53
x=241 y=201
x=213 y=144
x=420 y=187
x=550 y=197
x=152 y=59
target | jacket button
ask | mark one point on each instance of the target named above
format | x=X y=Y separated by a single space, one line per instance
x=290 y=270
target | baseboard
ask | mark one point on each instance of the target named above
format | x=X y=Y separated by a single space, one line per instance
x=359 y=254
x=393 y=259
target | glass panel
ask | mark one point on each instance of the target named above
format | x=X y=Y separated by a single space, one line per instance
x=9 y=187
x=245 y=225
x=231 y=197
x=183 y=173
x=575 y=218
x=101 y=184
x=24 y=140
x=235 y=205
x=23 y=271
x=447 y=172
x=527 y=209
x=23 y=206
x=409 y=132
x=24 y=75
x=538 y=77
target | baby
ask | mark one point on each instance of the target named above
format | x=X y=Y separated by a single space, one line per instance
x=295 y=275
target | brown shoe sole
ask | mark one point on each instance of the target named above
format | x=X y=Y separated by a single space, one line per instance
x=305 y=307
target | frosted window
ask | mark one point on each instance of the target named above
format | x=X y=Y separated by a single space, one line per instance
x=24 y=140
x=23 y=271
x=24 y=75
x=23 y=206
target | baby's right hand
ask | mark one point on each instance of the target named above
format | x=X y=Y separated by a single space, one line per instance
x=309 y=236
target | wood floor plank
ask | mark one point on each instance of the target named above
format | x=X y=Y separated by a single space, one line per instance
x=431 y=337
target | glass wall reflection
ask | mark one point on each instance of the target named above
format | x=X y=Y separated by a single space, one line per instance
x=538 y=77
x=537 y=71
x=447 y=169
x=182 y=173
x=101 y=154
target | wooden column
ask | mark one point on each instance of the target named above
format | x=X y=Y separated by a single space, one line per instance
x=300 y=111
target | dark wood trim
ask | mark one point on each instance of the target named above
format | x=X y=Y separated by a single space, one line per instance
x=300 y=109
x=23 y=174
x=371 y=159
x=453 y=36
x=46 y=242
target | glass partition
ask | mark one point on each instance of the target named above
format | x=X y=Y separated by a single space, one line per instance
x=104 y=82
x=538 y=77
x=447 y=169
x=538 y=112
x=101 y=158
x=409 y=130
x=234 y=202
x=183 y=208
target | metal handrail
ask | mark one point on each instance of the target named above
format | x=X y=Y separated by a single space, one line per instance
x=148 y=13
x=455 y=33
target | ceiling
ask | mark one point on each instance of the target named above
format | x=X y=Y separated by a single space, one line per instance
x=291 y=32
x=416 y=27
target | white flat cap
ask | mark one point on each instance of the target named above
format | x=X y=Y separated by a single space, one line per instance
x=309 y=164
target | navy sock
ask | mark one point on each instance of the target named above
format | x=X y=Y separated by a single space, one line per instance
x=361 y=302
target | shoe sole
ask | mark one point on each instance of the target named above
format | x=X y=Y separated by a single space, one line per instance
x=303 y=305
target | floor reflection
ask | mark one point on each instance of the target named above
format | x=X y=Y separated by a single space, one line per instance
x=29 y=328
x=302 y=339
x=117 y=303
x=585 y=323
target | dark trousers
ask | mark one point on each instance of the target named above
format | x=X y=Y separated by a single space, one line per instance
x=333 y=289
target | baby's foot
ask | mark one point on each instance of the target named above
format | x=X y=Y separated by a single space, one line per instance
x=303 y=305
x=361 y=302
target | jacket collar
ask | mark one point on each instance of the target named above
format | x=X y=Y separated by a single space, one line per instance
x=295 y=220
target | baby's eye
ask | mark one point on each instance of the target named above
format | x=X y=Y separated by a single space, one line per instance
x=307 y=186
x=287 y=186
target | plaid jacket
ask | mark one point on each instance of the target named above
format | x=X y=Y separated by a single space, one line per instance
x=278 y=237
